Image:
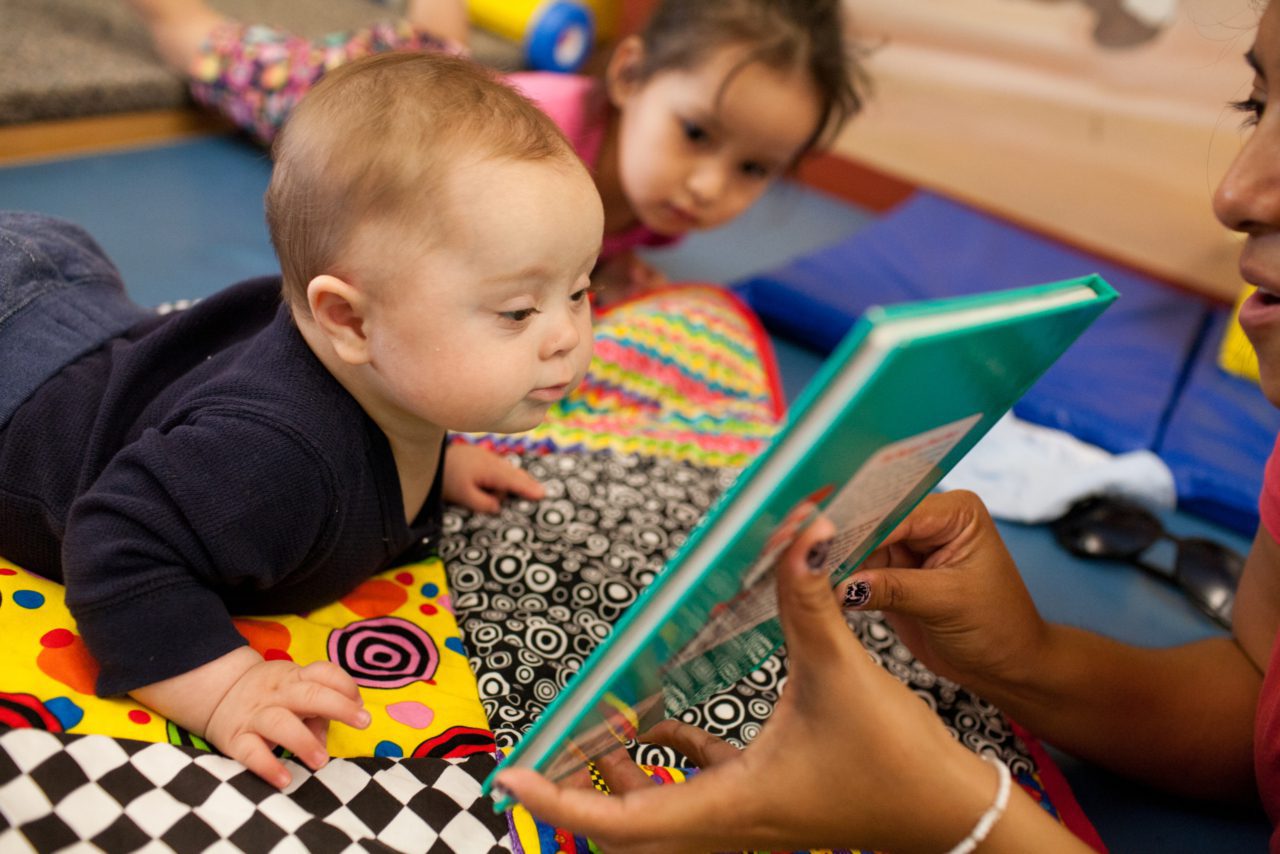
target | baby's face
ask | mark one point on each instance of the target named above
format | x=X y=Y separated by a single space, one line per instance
x=697 y=148
x=491 y=326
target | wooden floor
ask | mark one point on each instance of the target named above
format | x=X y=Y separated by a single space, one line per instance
x=1011 y=107
x=48 y=140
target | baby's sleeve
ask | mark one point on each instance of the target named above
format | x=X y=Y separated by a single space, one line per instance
x=176 y=520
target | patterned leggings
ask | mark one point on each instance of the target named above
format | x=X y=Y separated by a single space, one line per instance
x=254 y=75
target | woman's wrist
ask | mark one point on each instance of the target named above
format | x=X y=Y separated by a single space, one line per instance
x=1010 y=821
x=999 y=802
x=1024 y=678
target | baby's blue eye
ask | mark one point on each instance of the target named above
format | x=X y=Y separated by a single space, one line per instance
x=519 y=315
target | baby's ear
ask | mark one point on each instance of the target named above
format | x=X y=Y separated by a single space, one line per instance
x=339 y=310
x=622 y=75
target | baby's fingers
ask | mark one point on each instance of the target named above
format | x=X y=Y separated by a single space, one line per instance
x=319 y=728
x=281 y=726
x=313 y=698
x=517 y=481
x=332 y=676
x=252 y=752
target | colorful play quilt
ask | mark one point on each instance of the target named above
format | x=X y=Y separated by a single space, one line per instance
x=455 y=655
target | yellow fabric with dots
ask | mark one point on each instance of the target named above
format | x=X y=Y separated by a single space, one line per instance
x=1236 y=355
x=418 y=697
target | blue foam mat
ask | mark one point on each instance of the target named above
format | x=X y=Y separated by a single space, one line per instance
x=1112 y=388
x=1217 y=438
x=181 y=220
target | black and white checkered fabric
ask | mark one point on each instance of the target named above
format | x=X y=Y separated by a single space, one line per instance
x=92 y=793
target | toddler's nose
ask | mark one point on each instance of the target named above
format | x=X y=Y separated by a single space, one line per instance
x=707 y=181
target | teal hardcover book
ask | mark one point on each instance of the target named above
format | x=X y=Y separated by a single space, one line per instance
x=905 y=395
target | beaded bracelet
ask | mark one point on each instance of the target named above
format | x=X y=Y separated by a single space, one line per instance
x=992 y=815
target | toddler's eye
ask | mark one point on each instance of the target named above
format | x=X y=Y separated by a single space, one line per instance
x=581 y=294
x=756 y=170
x=1251 y=107
x=520 y=315
x=693 y=131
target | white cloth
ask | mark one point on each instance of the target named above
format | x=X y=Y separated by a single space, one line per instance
x=1028 y=473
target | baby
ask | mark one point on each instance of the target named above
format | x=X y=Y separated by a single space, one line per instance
x=273 y=446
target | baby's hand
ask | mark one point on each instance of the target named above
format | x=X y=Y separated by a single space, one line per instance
x=625 y=277
x=278 y=702
x=478 y=479
x=245 y=706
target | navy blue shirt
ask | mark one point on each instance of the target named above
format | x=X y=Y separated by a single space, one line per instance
x=202 y=464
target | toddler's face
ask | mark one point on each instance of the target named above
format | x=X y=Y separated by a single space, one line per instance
x=697 y=148
x=491 y=326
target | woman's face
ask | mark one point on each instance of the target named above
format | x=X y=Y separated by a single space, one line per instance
x=1248 y=201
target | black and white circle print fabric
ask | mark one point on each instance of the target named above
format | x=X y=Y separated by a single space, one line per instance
x=538 y=585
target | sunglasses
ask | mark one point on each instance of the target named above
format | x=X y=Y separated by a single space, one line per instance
x=1115 y=529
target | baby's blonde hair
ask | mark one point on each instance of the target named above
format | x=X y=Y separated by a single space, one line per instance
x=370 y=146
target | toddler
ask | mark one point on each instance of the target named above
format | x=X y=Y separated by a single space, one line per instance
x=693 y=119
x=271 y=447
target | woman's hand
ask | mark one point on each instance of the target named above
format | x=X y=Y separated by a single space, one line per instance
x=950 y=589
x=850 y=757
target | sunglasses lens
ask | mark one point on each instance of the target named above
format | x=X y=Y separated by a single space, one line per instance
x=1209 y=572
x=1107 y=528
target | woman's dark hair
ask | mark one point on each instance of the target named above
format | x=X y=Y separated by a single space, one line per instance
x=780 y=34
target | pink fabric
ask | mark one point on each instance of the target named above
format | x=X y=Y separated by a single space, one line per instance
x=1266 y=732
x=579 y=108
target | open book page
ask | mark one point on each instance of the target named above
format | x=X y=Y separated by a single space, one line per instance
x=715 y=658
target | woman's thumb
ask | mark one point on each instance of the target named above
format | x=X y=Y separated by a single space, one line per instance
x=810 y=617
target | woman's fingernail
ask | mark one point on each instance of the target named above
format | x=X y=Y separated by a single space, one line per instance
x=857 y=594
x=817 y=557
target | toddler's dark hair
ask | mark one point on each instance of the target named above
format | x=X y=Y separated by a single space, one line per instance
x=781 y=34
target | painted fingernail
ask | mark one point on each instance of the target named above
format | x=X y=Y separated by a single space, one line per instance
x=857 y=594
x=817 y=557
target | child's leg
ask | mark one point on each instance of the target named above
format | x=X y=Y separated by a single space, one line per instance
x=255 y=75
x=178 y=28
x=60 y=297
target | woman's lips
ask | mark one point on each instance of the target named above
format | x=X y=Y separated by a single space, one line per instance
x=1259 y=311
